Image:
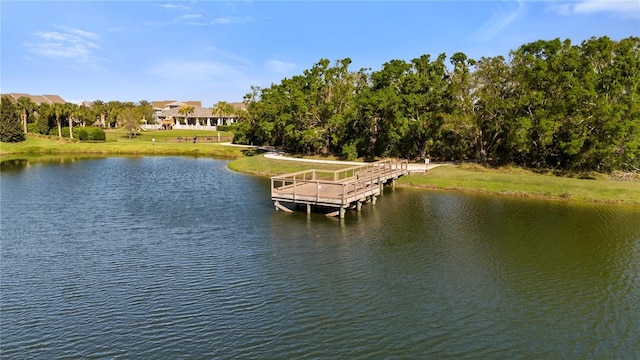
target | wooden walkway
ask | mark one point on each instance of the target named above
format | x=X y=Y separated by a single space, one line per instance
x=341 y=189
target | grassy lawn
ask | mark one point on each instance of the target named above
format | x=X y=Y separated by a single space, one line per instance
x=121 y=134
x=118 y=144
x=259 y=165
x=526 y=183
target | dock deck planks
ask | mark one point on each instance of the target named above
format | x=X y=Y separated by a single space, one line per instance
x=340 y=188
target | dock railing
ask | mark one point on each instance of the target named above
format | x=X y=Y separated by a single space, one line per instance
x=336 y=188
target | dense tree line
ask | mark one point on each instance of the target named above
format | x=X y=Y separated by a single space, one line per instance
x=65 y=120
x=62 y=119
x=551 y=104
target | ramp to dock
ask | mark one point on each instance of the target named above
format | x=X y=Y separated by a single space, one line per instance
x=342 y=189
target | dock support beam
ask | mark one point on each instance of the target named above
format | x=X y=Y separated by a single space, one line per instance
x=308 y=209
x=359 y=206
x=373 y=199
x=281 y=207
x=342 y=212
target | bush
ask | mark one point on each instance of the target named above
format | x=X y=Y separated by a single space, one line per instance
x=80 y=133
x=96 y=133
x=54 y=132
x=349 y=152
x=32 y=128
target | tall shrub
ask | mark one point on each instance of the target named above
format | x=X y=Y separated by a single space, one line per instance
x=10 y=124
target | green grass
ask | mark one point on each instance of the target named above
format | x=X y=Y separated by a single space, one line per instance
x=525 y=183
x=116 y=145
x=121 y=134
x=259 y=165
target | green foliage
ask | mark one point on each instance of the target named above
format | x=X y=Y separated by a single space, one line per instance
x=64 y=130
x=553 y=105
x=10 y=125
x=130 y=117
x=349 y=152
x=95 y=133
x=80 y=134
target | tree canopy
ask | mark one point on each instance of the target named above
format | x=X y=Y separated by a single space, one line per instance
x=551 y=104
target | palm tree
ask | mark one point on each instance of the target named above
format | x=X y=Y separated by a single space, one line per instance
x=59 y=113
x=146 y=110
x=83 y=113
x=186 y=110
x=223 y=109
x=101 y=108
x=114 y=109
x=70 y=112
x=26 y=107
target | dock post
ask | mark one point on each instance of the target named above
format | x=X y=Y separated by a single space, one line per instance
x=359 y=206
x=373 y=199
x=308 y=209
x=342 y=212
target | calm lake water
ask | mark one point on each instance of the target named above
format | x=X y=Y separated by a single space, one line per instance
x=168 y=257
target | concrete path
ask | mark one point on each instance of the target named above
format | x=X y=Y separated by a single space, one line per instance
x=413 y=168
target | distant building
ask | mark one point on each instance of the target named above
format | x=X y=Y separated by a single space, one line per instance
x=167 y=113
x=37 y=99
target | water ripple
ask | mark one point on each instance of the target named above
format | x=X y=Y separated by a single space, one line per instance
x=202 y=267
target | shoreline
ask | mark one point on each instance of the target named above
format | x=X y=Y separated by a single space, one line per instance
x=456 y=178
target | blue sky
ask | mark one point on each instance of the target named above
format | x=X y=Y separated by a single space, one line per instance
x=216 y=50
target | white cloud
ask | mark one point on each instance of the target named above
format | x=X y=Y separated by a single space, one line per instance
x=616 y=7
x=180 y=6
x=232 y=20
x=73 y=45
x=83 y=34
x=500 y=19
x=280 y=67
x=190 y=16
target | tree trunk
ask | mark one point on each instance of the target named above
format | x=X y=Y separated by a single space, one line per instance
x=71 y=127
x=59 y=123
x=24 y=121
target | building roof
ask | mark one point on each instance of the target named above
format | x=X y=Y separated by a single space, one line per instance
x=54 y=99
x=163 y=104
x=239 y=105
x=37 y=99
x=198 y=112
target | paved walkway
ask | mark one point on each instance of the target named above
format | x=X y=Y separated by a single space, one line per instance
x=413 y=168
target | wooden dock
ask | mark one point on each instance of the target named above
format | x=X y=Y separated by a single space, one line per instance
x=341 y=189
